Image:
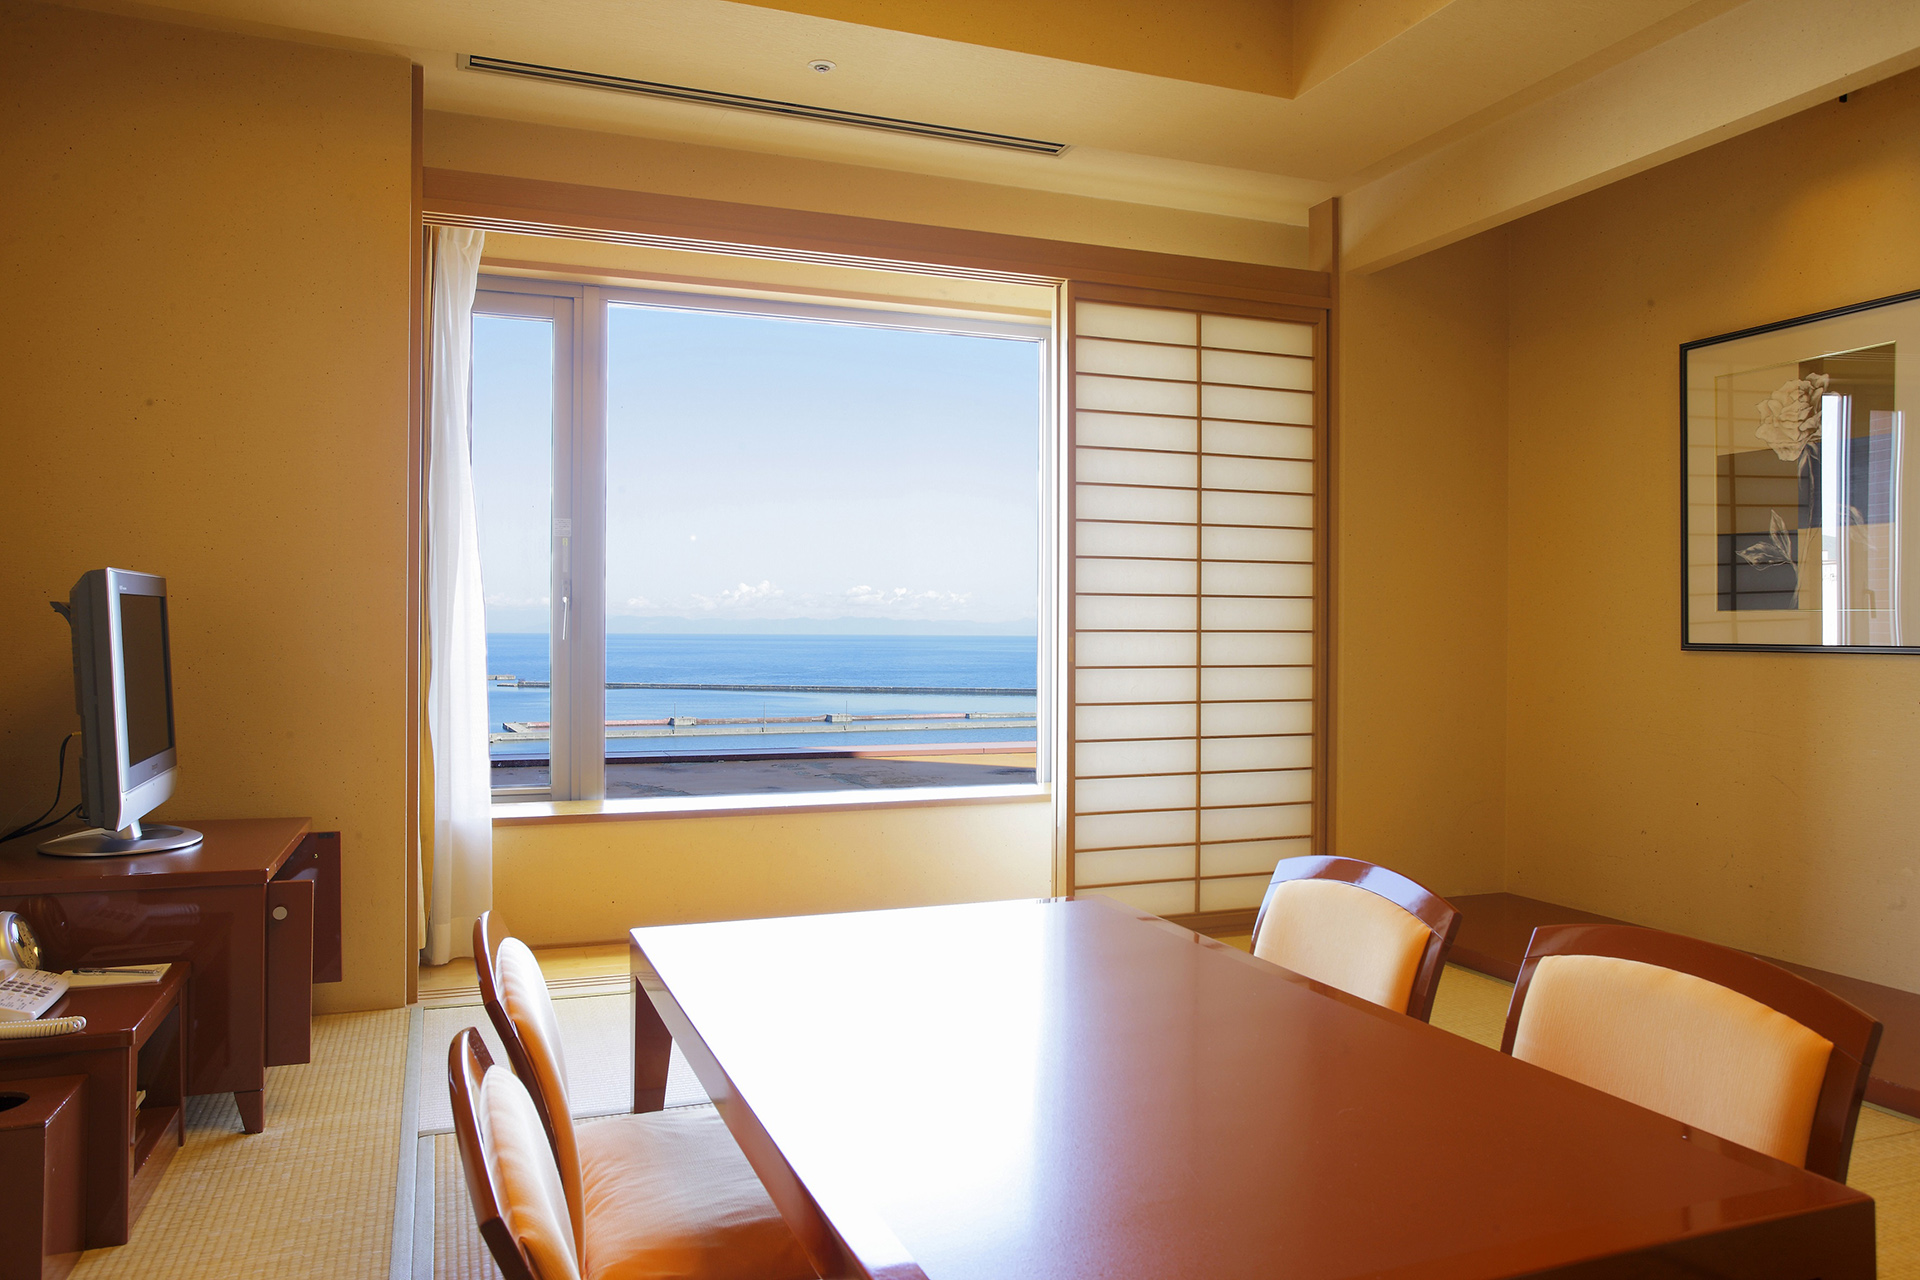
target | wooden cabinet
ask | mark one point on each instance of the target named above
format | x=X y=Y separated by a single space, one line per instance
x=132 y=1116
x=254 y=909
x=43 y=1165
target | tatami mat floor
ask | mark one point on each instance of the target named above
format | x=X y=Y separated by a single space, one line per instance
x=596 y=1035
x=312 y=1196
x=458 y=1251
x=568 y=970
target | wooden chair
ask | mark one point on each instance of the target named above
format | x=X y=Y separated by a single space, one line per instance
x=1369 y=931
x=659 y=1193
x=511 y=1176
x=530 y=1005
x=1712 y=1037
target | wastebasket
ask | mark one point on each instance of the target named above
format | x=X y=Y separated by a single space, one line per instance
x=43 y=1167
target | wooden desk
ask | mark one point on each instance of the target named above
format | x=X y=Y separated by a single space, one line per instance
x=255 y=908
x=1055 y=1090
x=132 y=1042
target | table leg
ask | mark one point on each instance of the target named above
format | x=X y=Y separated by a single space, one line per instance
x=253 y=1109
x=652 y=1051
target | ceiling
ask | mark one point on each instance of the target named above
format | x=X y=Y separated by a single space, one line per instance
x=1248 y=108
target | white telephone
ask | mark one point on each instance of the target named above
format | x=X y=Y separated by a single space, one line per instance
x=25 y=994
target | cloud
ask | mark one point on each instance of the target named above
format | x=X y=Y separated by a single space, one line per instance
x=766 y=600
x=745 y=598
x=515 y=602
x=904 y=601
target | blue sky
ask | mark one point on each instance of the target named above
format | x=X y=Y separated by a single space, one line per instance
x=764 y=470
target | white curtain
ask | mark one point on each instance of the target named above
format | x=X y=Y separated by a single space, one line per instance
x=456 y=618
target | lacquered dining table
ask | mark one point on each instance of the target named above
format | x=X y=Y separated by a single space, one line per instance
x=1067 y=1089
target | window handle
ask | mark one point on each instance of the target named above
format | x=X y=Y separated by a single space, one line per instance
x=563 y=530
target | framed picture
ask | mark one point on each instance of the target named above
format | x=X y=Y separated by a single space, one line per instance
x=1800 y=492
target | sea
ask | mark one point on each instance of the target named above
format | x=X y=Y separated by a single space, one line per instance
x=843 y=661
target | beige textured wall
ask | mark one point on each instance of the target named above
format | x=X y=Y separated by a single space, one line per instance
x=592 y=881
x=203 y=351
x=1421 y=564
x=553 y=154
x=1766 y=801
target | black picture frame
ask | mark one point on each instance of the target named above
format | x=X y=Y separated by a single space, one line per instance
x=1759 y=586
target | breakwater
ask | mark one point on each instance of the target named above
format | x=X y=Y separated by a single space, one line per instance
x=514 y=682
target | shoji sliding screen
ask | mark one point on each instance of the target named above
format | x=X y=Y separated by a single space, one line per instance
x=1194 y=758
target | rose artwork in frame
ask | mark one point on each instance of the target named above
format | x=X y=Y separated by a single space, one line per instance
x=1799 y=485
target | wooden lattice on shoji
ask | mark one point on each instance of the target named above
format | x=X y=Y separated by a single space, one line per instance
x=1191 y=743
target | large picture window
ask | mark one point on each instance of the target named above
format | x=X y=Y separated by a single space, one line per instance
x=734 y=545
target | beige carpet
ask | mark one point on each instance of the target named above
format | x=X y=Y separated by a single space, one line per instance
x=597 y=1035
x=313 y=1196
x=1886 y=1147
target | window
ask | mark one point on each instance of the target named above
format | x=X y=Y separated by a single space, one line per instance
x=522 y=356
x=735 y=545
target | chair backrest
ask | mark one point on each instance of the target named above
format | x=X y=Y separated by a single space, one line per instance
x=517 y=1002
x=1369 y=931
x=1710 y=1036
x=511 y=1177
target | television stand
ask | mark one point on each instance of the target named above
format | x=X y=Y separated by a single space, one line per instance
x=254 y=909
x=98 y=842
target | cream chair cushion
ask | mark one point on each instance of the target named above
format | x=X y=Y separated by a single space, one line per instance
x=1680 y=1045
x=669 y=1194
x=528 y=1186
x=1346 y=937
x=523 y=994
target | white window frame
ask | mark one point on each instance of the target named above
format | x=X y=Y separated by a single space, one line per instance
x=578 y=621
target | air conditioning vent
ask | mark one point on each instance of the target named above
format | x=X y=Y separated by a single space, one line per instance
x=766 y=106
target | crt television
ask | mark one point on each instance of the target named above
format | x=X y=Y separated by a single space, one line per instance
x=123 y=688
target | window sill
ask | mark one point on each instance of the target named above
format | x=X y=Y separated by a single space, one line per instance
x=537 y=812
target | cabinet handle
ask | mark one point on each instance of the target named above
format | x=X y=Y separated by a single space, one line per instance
x=279 y=913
